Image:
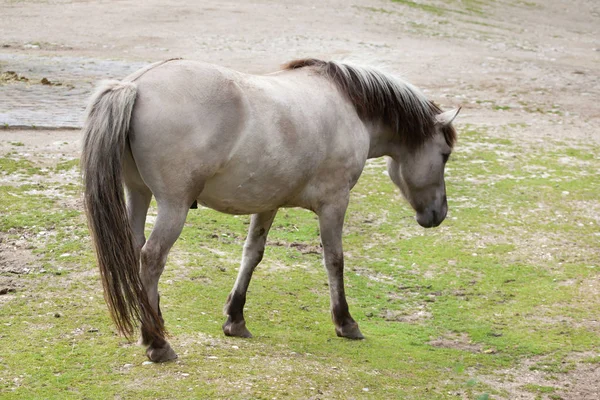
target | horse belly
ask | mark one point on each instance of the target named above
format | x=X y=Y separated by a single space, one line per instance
x=248 y=194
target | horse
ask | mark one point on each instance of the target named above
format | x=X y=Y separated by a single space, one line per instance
x=188 y=132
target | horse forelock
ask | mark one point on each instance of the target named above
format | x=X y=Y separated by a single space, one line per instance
x=378 y=95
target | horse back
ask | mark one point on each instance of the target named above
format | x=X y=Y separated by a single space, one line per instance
x=242 y=142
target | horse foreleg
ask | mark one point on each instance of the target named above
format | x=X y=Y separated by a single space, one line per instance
x=169 y=223
x=252 y=255
x=331 y=221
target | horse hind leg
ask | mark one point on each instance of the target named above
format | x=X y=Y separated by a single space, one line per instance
x=252 y=255
x=169 y=223
x=138 y=201
x=138 y=197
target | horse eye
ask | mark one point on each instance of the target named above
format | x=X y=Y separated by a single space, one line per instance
x=446 y=157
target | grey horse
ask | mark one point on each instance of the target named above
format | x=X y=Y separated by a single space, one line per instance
x=189 y=132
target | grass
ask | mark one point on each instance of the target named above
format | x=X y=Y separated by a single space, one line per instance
x=441 y=18
x=422 y=6
x=13 y=164
x=440 y=8
x=539 y=389
x=503 y=280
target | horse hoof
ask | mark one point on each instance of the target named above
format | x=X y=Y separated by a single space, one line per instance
x=161 y=354
x=349 y=331
x=237 y=329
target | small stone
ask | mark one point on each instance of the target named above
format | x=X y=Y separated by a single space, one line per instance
x=127 y=365
x=365 y=389
x=235 y=347
x=212 y=357
x=147 y=363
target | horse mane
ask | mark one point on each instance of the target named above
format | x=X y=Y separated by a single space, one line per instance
x=376 y=94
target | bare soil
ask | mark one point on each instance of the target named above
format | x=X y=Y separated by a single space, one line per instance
x=507 y=62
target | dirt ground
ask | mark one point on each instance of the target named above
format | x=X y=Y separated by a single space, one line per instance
x=534 y=64
x=524 y=69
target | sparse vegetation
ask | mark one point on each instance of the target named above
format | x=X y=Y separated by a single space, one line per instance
x=506 y=278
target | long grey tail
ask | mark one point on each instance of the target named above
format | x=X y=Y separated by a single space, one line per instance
x=105 y=135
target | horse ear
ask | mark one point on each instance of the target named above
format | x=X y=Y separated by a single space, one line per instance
x=447 y=117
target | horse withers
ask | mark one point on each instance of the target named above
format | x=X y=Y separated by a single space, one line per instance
x=190 y=132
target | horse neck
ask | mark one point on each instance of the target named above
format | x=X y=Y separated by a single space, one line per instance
x=383 y=141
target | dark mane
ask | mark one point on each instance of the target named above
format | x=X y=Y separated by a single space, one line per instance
x=376 y=94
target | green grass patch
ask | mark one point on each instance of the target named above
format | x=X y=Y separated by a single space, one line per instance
x=539 y=389
x=503 y=280
x=422 y=6
x=12 y=164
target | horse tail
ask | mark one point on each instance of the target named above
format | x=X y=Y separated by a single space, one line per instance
x=105 y=136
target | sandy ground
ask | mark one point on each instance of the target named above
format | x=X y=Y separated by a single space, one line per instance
x=535 y=64
x=528 y=70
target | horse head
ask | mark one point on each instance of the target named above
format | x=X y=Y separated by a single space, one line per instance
x=419 y=172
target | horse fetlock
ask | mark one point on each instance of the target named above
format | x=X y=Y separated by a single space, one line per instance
x=349 y=330
x=236 y=329
x=161 y=354
x=234 y=306
x=150 y=337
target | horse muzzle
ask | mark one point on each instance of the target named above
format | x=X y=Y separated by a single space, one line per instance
x=432 y=217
